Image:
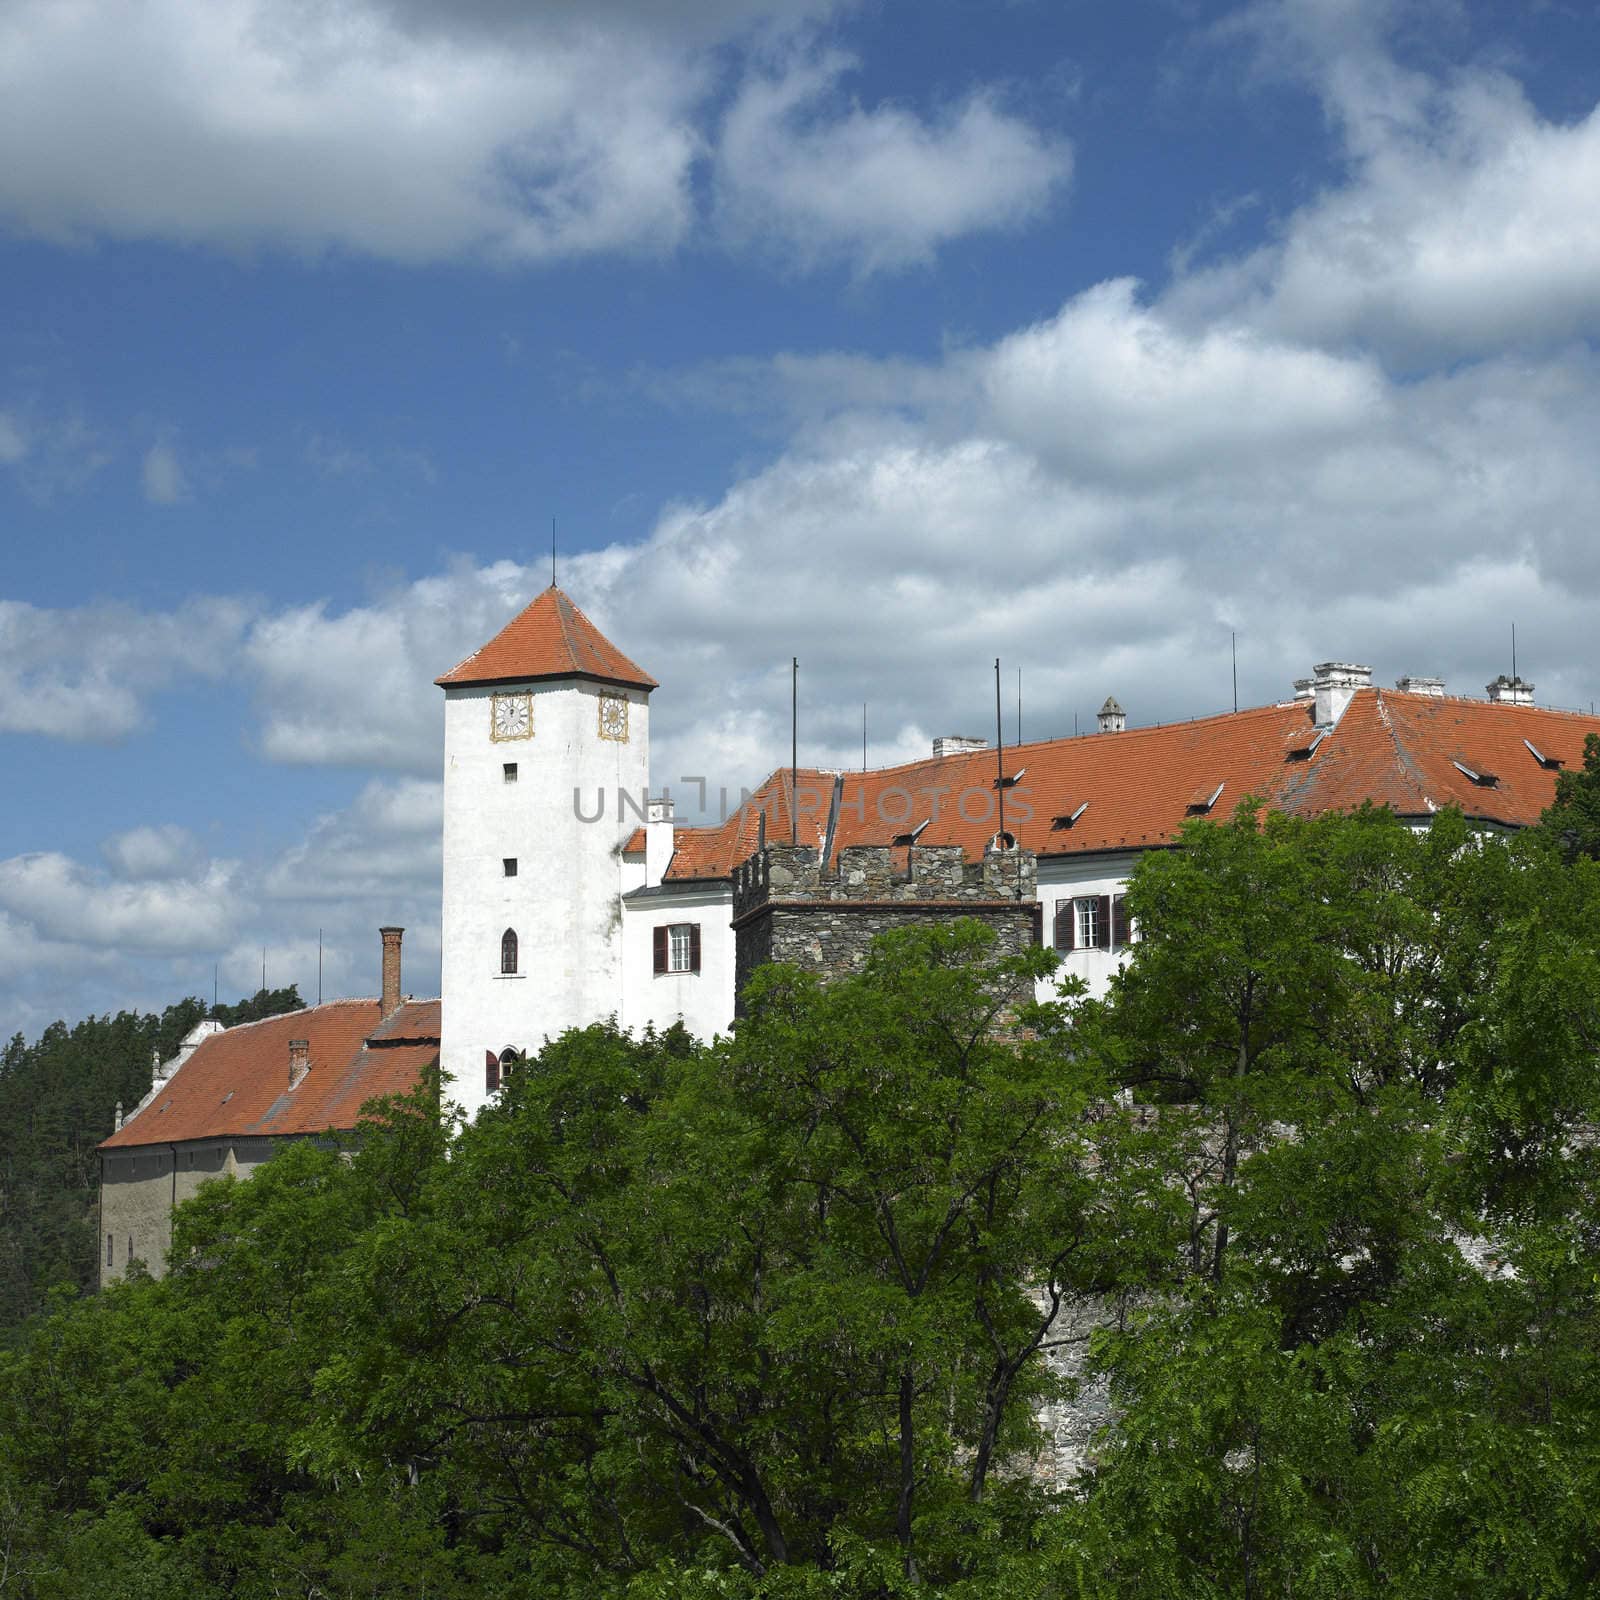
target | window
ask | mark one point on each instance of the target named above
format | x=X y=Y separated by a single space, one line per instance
x=109 y=1248
x=1092 y=922
x=508 y=1060
x=130 y=1249
x=509 y=771
x=497 y=1069
x=677 y=947
x=508 y=951
x=508 y=866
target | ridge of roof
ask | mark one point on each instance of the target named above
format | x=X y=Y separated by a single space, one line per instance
x=549 y=638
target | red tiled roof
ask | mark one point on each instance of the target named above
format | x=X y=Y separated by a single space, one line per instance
x=237 y=1082
x=1138 y=787
x=635 y=844
x=549 y=639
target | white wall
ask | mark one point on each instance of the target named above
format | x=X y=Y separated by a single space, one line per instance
x=703 y=1000
x=564 y=902
x=1066 y=878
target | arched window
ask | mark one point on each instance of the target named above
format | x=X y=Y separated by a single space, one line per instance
x=508 y=1062
x=508 y=950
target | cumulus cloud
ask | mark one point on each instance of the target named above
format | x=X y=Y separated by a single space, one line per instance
x=161 y=851
x=1458 y=226
x=880 y=186
x=13 y=442
x=85 y=673
x=162 y=478
x=416 y=131
x=385 y=843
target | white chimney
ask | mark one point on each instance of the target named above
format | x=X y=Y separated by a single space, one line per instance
x=1411 y=684
x=1334 y=684
x=657 y=840
x=1304 y=689
x=1111 y=717
x=1506 y=691
x=957 y=744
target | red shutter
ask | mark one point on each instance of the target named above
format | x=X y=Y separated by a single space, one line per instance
x=1066 y=926
x=1119 y=920
x=694 y=946
x=491 y=1072
x=1102 y=923
x=660 y=938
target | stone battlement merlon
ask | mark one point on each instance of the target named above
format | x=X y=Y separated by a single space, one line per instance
x=785 y=873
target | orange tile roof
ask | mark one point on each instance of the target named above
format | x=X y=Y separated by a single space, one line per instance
x=237 y=1082
x=551 y=638
x=1138 y=787
x=635 y=843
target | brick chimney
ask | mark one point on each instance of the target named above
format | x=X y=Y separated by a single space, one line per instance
x=390 y=1002
x=299 y=1061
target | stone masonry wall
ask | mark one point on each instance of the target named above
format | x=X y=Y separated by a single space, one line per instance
x=787 y=907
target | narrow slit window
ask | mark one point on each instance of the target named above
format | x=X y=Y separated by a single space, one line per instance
x=508 y=866
x=508 y=771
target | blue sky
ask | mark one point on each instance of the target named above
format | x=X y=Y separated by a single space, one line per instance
x=894 y=336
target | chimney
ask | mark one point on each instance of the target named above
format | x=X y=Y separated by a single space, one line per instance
x=658 y=840
x=1411 y=684
x=390 y=1002
x=1506 y=691
x=957 y=744
x=118 y=1126
x=1111 y=717
x=1305 y=689
x=299 y=1060
x=1334 y=684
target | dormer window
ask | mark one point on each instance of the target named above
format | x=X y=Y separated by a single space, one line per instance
x=1549 y=763
x=1009 y=780
x=1484 y=780
x=1202 y=800
x=1069 y=819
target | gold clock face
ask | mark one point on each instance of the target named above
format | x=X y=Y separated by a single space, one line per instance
x=614 y=718
x=511 y=717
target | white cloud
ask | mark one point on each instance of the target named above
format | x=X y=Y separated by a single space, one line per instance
x=13 y=442
x=84 y=673
x=1460 y=226
x=162 y=478
x=385 y=843
x=161 y=851
x=883 y=187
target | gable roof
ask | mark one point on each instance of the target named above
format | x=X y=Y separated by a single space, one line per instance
x=551 y=638
x=1136 y=789
x=237 y=1082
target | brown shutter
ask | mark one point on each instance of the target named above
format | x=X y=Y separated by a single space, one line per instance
x=491 y=1071
x=1119 y=920
x=1102 y=923
x=660 y=940
x=1038 y=923
x=694 y=946
x=1066 y=926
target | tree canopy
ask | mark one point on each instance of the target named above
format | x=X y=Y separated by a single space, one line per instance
x=1299 y=1215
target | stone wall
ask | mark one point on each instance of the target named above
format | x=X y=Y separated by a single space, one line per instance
x=788 y=906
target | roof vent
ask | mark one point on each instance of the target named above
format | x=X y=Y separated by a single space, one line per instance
x=1484 y=780
x=1412 y=684
x=1334 y=684
x=1202 y=800
x=1506 y=691
x=1009 y=780
x=957 y=744
x=1111 y=717
x=1304 y=752
x=1550 y=763
x=1068 y=819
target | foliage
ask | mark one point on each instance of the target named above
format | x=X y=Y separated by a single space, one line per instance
x=1572 y=820
x=57 y=1099
x=772 y=1319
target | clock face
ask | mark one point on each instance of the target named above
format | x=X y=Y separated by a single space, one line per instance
x=614 y=718
x=511 y=717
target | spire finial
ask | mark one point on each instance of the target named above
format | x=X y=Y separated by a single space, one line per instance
x=552 y=552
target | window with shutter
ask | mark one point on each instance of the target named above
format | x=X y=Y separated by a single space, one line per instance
x=1121 y=928
x=491 y=1072
x=508 y=951
x=659 y=938
x=1065 y=926
x=1102 y=922
x=694 y=946
x=1088 y=920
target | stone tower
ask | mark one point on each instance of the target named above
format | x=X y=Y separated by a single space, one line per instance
x=546 y=763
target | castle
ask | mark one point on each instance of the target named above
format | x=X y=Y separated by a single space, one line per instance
x=571 y=894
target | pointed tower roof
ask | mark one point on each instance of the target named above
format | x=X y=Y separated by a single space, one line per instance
x=550 y=639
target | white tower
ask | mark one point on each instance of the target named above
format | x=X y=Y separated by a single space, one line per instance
x=546 y=764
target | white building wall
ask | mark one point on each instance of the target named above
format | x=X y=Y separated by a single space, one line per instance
x=564 y=902
x=703 y=1000
x=1067 y=878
